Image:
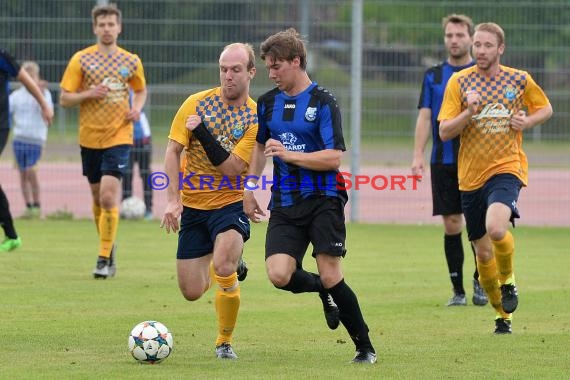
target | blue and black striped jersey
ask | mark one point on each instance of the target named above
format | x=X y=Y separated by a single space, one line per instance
x=307 y=122
x=433 y=88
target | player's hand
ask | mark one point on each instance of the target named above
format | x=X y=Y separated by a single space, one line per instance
x=519 y=121
x=98 y=92
x=251 y=207
x=473 y=101
x=418 y=165
x=47 y=115
x=192 y=122
x=171 y=216
x=133 y=115
x=274 y=148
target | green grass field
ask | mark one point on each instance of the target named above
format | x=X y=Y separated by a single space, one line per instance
x=57 y=322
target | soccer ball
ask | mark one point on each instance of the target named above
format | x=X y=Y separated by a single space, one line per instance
x=150 y=342
x=132 y=208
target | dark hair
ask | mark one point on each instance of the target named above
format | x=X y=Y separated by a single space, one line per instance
x=106 y=10
x=459 y=19
x=285 y=45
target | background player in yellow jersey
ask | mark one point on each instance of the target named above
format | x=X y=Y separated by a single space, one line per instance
x=217 y=129
x=98 y=79
x=490 y=105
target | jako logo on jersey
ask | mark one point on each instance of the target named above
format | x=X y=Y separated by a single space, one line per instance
x=510 y=93
x=289 y=106
x=311 y=113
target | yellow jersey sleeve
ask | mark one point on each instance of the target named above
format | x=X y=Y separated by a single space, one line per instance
x=451 y=104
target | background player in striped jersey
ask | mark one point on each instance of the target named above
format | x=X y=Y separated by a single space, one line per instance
x=458 y=32
x=300 y=129
x=99 y=79
x=490 y=105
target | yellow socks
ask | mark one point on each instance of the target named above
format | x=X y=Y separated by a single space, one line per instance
x=227 y=306
x=108 y=223
x=504 y=250
x=489 y=280
x=96 y=215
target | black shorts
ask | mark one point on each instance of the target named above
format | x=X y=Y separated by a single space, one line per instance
x=4 y=133
x=445 y=195
x=316 y=220
x=199 y=228
x=112 y=161
x=501 y=188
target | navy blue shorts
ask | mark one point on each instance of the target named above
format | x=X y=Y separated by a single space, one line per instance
x=316 y=220
x=27 y=155
x=199 y=228
x=112 y=161
x=501 y=188
x=445 y=195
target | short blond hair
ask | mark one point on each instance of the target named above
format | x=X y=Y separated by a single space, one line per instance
x=248 y=49
x=491 y=27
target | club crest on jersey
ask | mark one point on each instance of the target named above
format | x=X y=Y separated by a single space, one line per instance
x=238 y=131
x=123 y=71
x=510 y=93
x=311 y=114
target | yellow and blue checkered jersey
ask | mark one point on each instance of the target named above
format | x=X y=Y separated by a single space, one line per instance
x=235 y=128
x=102 y=122
x=489 y=145
x=307 y=122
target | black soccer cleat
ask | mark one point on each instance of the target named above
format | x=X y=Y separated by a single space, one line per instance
x=332 y=314
x=509 y=297
x=364 y=356
x=502 y=326
x=241 y=269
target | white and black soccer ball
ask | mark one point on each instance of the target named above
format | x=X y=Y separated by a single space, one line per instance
x=132 y=208
x=150 y=342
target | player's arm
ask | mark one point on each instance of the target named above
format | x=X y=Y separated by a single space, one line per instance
x=521 y=121
x=423 y=129
x=453 y=119
x=322 y=160
x=257 y=164
x=173 y=208
x=226 y=162
x=38 y=94
x=139 y=99
x=71 y=99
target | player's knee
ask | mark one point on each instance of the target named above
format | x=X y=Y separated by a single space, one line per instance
x=330 y=279
x=191 y=293
x=496 y=233
x=278 y=278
